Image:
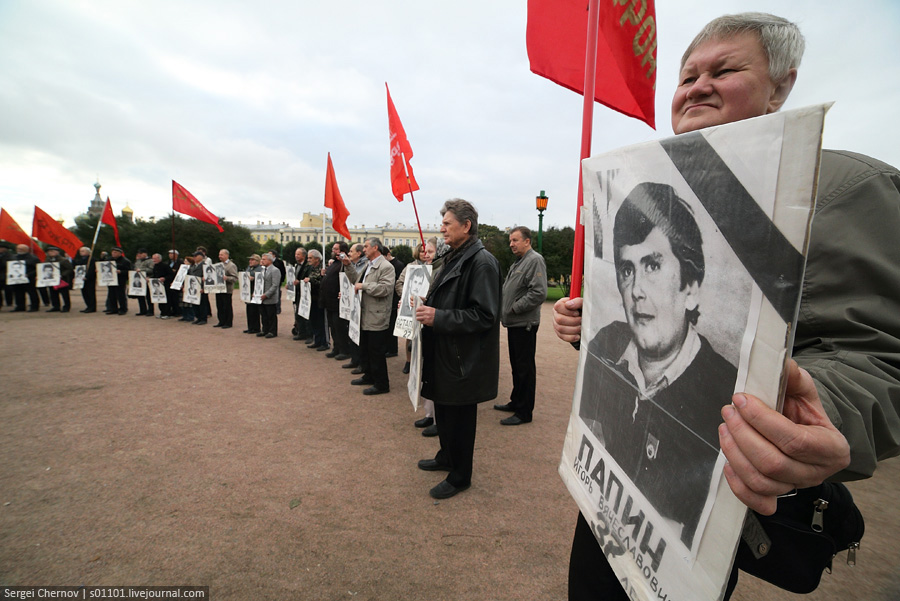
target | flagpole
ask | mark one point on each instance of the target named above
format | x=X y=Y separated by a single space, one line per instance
x=587 y=124
x=96 y=233
x=323 y=237
x=413 y=198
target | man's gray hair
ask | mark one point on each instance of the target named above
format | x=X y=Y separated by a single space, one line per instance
x=314 y=254
x=463 y=211
x=780 y=39
x=302 y=250
x=376 y=242
x=157 y=255
x=226 y=251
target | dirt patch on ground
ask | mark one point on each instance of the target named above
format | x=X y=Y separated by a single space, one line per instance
x=137 y=451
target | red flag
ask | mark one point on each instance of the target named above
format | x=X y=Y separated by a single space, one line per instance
x=48 y=230
x=400 y=184
x=12 y=232
x=109 y=219
x=626 y=51
x=185 y=202
x=335 y=202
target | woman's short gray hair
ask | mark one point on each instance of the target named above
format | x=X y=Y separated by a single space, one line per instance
x=780 y=39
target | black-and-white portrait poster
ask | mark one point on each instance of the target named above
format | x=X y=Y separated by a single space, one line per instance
x=355 y=314
x=157 y=291
x=418 y=279
x=16 y=273
x=106 y=273
x=220 y=286
x=305 y=300
x=289 y=277
x=345 y=304
x=137 y=283
x=47 y=275
x=694 y=258
x=211 y=279
x=246 y=287
x=259 y=284
x=414 y=383
x=178 y=282
x=193 y=287
x=78 y=281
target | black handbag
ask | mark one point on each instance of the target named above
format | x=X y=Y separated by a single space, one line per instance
x=793 y=547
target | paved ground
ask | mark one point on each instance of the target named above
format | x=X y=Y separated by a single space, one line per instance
x=140 y=451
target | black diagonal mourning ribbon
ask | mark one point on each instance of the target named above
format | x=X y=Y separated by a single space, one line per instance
x=771 y=260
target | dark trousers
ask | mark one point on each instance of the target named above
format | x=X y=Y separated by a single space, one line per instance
x=269 y=318
x=173 y=307
x=150 y=307
x=392 y=341
x=144 y=305
x=522 y=347
x=89 y=294
x=206 y=307
x=456 y=430
x=20 y=290
x=590 y=575
x=301 y=324
x=317 y=325
x=225 y=310
x=253 y=315
x=63 y=293
x=340 y=333
x=117 y=300
x=372 y=347
x=45 y=295
x=8 y=294
x=201 y=311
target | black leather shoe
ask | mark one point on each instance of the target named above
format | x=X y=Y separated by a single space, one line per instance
x=506 y=407
x=406 y=368
x=390 y=354
x=313 y=345
x=260 y=334
x=375 y=390
x=350 y=366
x=323 y=348
x=270 y=335
x=342 y=357
x=296 y=337
x=513 y=420
x=424 y=422
x=431 y=465
x=430 y=431
x=332 y=355
x=362 y=382
x=218 y=325
x=445 y=490
x=226 y=327
x=358 y=370
x=53 y=310
x=202 y=322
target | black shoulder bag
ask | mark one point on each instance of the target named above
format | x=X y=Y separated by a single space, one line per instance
x=793 y=547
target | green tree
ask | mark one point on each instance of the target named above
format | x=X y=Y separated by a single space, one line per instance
x=402 y=252
x=559 y=245
x=496 y=241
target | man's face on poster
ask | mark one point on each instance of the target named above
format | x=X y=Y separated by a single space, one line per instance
x=648 y=275
x=193 y=287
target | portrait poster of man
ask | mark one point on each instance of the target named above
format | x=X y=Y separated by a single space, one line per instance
x=106 y=273
x=289 y=277
x=418 y=279
x=48 y=275
x=246 y=287
x=16 y=273
x=220 y=286
x=305 y=300
x=355 y=313
x=178 y=282
x=209 y=279
x=414 y=384
x=258 y=286
x=694 y=257
x=346 y=301
x=157 y=292
x=192 y=289
x=137 y=283
x=78 y=281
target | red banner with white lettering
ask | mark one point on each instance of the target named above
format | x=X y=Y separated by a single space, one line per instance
x=402 y=179
x=556 y=39
x=186 y=203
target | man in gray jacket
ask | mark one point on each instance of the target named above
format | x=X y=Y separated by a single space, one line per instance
x=524 y=291
x=271 y=283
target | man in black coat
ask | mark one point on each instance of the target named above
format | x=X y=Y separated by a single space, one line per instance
x=89 y=287
x=23 y=253
x=328 y=298
x=460 y=344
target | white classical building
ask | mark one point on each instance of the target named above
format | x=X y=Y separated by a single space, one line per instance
x=310 y=230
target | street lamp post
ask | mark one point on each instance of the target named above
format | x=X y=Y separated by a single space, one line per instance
x=541 y=203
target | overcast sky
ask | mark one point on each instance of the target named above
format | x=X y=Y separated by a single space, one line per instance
x=240 y=102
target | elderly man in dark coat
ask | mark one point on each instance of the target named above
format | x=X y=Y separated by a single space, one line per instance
x=460 y=344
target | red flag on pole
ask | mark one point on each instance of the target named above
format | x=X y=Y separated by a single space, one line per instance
x=185 y=202
x=48 y=230
x=109 y=219
x=12 y=232
x=625 y=78
x=335 y=202
x=402 y=178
